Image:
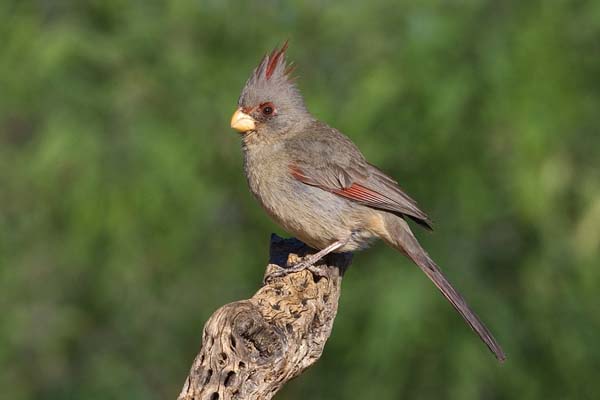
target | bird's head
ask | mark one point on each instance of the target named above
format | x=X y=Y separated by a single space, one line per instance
x=270 y=103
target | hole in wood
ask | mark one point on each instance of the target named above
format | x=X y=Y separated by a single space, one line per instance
x=215 y=396
x=229 y=378
x=208 y=376
x=232 y=341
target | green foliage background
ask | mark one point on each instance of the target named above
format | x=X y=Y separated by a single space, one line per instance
x=125 y=220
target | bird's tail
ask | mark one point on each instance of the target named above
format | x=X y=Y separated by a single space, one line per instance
x=399 y=236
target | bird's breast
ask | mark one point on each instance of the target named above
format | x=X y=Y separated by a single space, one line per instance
x=315 y=216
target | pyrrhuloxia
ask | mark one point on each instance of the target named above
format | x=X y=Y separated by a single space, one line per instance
x=314 y=182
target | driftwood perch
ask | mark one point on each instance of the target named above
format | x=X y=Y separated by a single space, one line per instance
x=251 y=348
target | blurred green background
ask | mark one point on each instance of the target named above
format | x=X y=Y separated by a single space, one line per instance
x=125 y=220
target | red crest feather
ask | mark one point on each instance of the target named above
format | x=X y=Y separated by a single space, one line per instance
x=274 y=59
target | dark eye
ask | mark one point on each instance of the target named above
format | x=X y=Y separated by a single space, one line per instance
x=267 y=108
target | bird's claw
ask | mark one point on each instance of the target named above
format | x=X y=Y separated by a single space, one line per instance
x=300 y=266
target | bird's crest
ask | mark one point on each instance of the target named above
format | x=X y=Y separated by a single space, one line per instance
x=274 y=66
x=272 y=81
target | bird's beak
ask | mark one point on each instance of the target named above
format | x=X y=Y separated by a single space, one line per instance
x=242 y=122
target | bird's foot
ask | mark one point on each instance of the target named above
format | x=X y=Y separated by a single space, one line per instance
x=307 y=264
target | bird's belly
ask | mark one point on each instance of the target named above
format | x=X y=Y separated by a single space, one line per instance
x=317 y=217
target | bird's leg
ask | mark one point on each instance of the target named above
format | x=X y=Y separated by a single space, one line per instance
x=313 y=258
x=309 y=262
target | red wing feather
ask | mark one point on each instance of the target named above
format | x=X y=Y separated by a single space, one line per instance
x=298 y=174
x=361 y=194
x=364 y=195
x=355 y=191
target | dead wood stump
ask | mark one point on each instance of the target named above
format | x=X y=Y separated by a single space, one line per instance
x=251 y=348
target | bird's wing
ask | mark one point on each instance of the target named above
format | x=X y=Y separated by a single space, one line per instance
x=337 y=166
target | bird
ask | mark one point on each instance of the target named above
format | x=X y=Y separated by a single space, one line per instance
x=314 y=182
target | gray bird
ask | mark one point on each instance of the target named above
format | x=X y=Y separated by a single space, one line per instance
x=315 y=183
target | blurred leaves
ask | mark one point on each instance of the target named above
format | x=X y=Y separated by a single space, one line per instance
x=125 y=218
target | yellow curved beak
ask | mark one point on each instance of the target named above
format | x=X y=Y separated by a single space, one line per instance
x=242 y=122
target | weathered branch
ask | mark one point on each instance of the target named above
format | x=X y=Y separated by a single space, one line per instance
x=251 y=348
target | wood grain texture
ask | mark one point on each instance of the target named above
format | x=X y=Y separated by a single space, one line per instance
x=251 y=348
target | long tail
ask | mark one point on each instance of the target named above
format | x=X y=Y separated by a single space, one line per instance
x=399 y=236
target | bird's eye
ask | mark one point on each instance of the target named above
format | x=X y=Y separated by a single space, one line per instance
x=267 y=108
